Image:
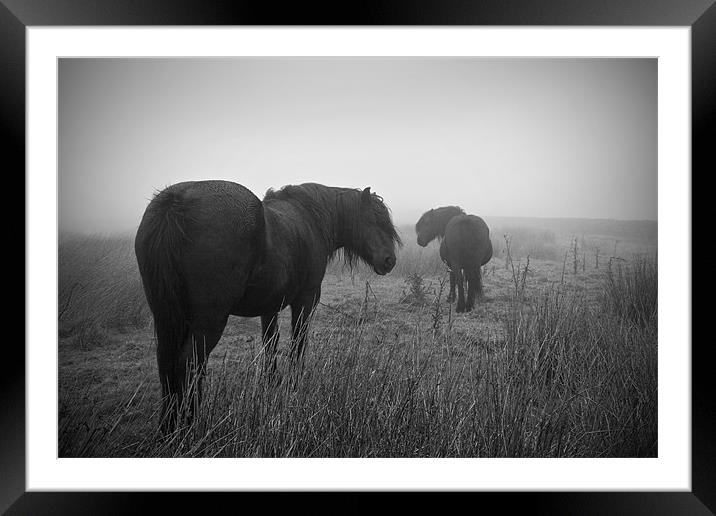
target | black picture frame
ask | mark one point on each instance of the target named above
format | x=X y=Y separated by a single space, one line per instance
x=17 y=15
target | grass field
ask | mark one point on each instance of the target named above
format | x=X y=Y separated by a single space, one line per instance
x=558 y=360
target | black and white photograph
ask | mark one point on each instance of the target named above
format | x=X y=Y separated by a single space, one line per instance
x=357 y=257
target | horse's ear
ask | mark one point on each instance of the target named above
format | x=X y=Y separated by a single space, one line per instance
x=365 y=196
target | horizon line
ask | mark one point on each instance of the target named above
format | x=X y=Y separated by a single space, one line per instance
x=396 y=223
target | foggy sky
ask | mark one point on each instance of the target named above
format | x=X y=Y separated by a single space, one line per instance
x=499 y=137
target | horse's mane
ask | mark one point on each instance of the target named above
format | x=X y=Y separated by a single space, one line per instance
x=340 y=205
x=313 y=199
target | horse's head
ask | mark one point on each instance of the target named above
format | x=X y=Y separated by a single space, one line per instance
x=432 y=224
x=426 y=228
x=379 y=237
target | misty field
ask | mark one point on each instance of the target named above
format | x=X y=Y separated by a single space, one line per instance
x=558 y=360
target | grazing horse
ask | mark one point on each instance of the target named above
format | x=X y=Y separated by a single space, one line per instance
x=210 y=249
x=464 y=245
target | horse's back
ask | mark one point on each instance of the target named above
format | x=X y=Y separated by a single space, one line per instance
x=206 y=213
x=215 y=232
x=467 y=240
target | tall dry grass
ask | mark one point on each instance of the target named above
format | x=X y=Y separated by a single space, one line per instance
x=589 y=377
x=567 y=379
x=99 y=287
x=631 y=289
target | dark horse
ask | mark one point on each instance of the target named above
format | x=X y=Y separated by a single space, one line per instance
x=210 y=249
x=465 y=246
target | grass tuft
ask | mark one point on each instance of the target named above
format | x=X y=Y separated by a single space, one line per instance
x=630 y=290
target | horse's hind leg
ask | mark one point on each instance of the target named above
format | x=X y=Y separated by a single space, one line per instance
x=451 y=294
x=172 y=389
x=176 y=363
x=206 y=336
x=471 y=288
x=190 y=365
x=460 y=291
x=478 y=283
x=474 y=286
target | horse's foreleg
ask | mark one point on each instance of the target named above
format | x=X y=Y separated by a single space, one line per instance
x=301 y=311
x=269 y=337
x=300 y=314
x=460 y=290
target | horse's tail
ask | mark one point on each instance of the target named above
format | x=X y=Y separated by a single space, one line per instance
x=487 y=253
x=159 y=245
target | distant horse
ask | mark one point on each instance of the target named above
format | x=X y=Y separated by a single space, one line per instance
x=465 y=246
x=210 y=249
